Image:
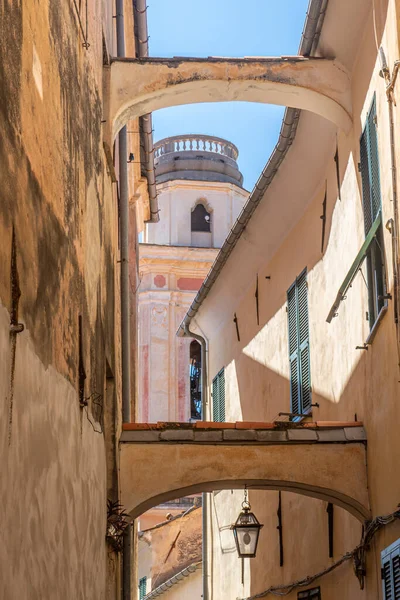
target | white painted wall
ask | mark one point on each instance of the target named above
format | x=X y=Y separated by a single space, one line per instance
x=178 y=198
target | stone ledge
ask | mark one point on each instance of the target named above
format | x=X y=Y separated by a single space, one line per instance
x=276 y=425
x=238 y=435
x=176 y=435
x=241 y=436
x=302 y=435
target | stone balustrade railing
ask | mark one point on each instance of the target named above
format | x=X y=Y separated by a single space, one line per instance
x=193 y=143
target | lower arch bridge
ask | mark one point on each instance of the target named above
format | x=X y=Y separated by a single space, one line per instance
x=160 y=462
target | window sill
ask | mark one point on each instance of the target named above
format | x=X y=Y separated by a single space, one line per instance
x=375 y=326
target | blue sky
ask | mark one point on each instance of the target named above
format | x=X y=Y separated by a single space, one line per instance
x=226 y=28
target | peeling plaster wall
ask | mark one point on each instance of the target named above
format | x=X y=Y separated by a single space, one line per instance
x=59 y=252
x=283 y=237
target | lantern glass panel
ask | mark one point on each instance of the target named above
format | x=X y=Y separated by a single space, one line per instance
x=246 y=540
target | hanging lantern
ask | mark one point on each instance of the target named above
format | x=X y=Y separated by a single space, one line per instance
x=246 y=531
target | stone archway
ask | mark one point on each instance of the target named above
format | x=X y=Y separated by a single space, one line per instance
x=134 y=87
x=165 y=462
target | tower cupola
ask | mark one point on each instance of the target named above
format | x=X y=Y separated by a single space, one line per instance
x=196 y=158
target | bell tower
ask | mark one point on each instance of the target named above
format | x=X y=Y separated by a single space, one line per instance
x=200 y=196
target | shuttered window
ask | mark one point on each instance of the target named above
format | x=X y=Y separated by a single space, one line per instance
x=390 y=569
x=371 y=188
x=142 y=587
x=371 y=195
x=314 y=594
x=218 y=393
x=299 y=346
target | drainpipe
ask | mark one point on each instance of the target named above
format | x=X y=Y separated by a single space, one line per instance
x=125 y=309
x=393 y=224
x=145 y=122
x=124 y=219
x=205 y=416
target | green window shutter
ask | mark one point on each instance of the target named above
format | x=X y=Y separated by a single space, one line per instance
x=387 y=581
x=299 y=347
x=371 y=189
x=366 y=190
x=222 y=397
x=304 y=344
x=374 y=160
x=142 y=587
x=314 y=594
x=293 y=351
x=396 y=576
x=215 y=393
x=218 y=387
x=390 y=569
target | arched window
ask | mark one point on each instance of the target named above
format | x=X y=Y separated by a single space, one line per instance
x=201 y=226
x=195 y=380
x=201 y=219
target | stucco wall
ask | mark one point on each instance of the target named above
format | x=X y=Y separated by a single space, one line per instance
x=59 y=253
x=283 y=237
x=177 y=199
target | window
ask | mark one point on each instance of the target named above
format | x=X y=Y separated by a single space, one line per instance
x=195 y=380
x=201 y=219
x=314 y=594
x=142 y=587
x=299 y=348
x=201 y=227
x=371 y=196
x=218 y=393
x=390 y=569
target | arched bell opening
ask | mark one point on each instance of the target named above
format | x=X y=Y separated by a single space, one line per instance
x=195 y=380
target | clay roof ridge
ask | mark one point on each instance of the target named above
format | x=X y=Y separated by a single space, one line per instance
x=164 y=587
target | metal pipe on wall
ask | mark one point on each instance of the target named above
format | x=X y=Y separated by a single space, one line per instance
x=145 y=122
x=124 y=224
x=125 y=308
x=205 y=416
x=393 y=224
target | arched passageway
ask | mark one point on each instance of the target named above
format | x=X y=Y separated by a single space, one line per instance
x=134 y=87
x=206 y=457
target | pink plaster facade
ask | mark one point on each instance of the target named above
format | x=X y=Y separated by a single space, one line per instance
x=171 y=271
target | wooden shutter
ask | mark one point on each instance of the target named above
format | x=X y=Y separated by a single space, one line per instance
x=304 y=345
x=142 y=587
x=299 y=347
x=387 y=581
x=219 y=397
x=374 y=158
x=314 y=594
x=222 y=396
x=390 y=568
x=293 y=351
x=396 y=576
x=371 y=189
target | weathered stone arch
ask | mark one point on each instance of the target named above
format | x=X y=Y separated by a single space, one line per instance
x=134 y=87
x=311 y=468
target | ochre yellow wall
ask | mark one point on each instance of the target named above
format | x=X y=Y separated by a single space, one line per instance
x=58 y=198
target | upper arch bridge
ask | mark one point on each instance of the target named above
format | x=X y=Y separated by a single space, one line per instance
x=137 y=86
